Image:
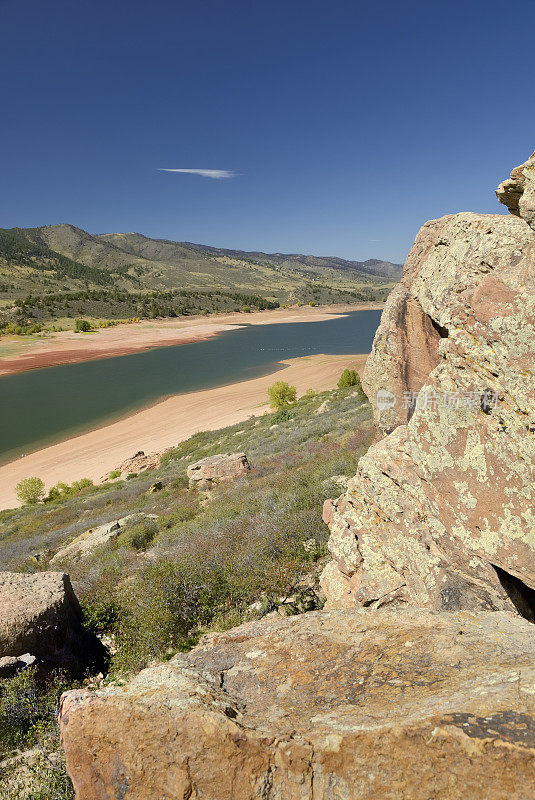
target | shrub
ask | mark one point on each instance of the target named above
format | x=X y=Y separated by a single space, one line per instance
x=282 y=415
x=28 y=710
x=82 y=325
x=62 y=491
x=30 y=491
x=115 y=473
x=25 y=702
x=139 y=536
x=281 y=395
x=349 y=378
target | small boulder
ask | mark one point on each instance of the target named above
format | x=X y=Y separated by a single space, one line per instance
x=95 y=537
x=40 y=614
x=10 y=665
x=140 y=462
x=215 y=469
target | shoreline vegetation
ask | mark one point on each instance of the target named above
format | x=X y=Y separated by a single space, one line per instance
x=96 y=453
x=22 y=353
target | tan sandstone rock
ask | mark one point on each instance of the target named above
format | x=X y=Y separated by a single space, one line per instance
x=205 y=473
x=140 y=462
x=40 y=615
x=518 y=191
x=84 y=544
x=344 y=705
x=440 y=513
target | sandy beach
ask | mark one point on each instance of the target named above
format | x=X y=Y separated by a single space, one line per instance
x=18 y=354
x=163 y=425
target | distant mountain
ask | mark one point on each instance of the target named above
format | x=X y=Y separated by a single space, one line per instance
x=67 y=259
x=167 y=250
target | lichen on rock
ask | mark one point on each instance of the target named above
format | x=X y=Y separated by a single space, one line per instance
x=440 y=513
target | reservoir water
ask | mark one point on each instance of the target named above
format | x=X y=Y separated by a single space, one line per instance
x=42 y=406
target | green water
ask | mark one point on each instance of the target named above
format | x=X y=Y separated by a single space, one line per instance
x=47 y=405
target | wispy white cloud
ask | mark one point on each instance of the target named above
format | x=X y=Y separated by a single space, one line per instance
x=217 y=174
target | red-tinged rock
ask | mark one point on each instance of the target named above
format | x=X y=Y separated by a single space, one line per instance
x=344 y=705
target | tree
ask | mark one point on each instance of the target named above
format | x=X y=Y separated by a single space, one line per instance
x=349 y=378
x=30 y=491
x=281 y=395
x=82 y=326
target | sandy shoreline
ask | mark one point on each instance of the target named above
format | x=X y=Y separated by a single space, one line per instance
x=163 y=425
x=66 y=347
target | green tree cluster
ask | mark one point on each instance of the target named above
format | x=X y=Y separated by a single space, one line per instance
x=30 y=490
x=281 y=395
x=349 y=377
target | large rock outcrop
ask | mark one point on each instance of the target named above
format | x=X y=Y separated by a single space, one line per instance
x=40 y=615
x=343 y=705
x=440 y=513
x=518 y=191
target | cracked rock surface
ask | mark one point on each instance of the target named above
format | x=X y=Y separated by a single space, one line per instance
x=341 y=705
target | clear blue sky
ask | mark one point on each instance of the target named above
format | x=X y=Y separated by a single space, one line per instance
x=349 y=123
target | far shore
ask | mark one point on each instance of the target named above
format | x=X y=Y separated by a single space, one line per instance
x=19 y=354
x=161 y=426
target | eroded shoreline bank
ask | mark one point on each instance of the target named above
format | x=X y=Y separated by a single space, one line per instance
x=66 y=347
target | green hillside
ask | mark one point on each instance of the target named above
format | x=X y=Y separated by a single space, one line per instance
x=63 y=271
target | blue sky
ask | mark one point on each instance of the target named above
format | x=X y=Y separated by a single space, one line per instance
x=349 y=123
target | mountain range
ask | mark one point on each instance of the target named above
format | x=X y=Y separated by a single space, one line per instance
x=65 y=258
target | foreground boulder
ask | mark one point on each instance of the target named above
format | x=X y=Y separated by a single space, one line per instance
x=208 y=471
x=41 y=617
x=344 y=705
x=440 y=513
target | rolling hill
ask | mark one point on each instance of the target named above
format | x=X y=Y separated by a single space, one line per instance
x=61 y=264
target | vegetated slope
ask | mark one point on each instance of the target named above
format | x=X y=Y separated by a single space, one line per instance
x=202 y=562
x=30 y=259
x=138 y=261
x=256 y=546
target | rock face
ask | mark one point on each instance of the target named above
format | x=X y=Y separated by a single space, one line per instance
x=205 y=473
x=84 y=544
x=440 y=513
x=140 y=462
x=344 y=705
x=40 y=615
x=518 y=191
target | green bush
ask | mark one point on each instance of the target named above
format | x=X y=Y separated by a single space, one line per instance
x=115 y=473
x=24 y=703
x=42 y=777
x=30 y=491
x=138 y=536
x=162 y=607
x=282 y=415
x=281 y=395
x=349 y=377
x=82 y=325
x=62 y=491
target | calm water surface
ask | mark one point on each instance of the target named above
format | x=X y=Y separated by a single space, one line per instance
x=46 y=405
